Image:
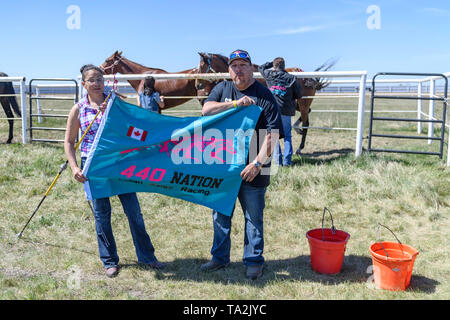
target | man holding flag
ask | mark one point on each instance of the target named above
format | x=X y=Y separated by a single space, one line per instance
x=244 y=90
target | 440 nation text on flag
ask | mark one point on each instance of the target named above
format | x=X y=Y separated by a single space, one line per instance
x=197 y=159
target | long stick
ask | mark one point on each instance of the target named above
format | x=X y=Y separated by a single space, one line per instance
x=63 y=167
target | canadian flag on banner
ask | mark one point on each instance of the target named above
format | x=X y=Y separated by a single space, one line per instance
x=136 y=133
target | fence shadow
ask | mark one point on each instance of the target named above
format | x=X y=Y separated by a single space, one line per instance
x=59 y=246
x=318 y=157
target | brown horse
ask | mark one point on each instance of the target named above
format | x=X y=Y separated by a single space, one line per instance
x=9 y=104
x=210 y=62
x=116 y=63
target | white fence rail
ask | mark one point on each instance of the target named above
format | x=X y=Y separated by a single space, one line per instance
x=335 y=77
x=360 y=75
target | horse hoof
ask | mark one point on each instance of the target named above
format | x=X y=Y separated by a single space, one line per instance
x=298 y=152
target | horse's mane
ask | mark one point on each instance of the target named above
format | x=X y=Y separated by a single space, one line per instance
x=221 y=57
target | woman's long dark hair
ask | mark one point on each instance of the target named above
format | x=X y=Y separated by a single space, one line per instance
x=149 y=86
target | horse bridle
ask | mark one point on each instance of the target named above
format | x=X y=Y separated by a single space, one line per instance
x=113 y=65
x=209 y=69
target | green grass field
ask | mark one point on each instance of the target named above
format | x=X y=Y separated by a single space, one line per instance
x=57 y=256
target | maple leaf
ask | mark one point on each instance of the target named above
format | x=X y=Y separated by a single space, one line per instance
x=137 y=133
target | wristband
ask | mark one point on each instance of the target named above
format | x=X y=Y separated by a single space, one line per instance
x=235 y=104
x=257 y=163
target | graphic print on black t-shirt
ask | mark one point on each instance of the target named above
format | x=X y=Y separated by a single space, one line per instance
x=269 y=119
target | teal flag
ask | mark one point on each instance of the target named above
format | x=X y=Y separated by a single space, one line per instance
x=197 y=159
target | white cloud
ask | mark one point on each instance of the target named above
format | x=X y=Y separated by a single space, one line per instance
x=303 y=29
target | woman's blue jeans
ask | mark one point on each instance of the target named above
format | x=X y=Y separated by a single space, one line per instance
x=286 y=158
x=105 y=238
x=253 y=203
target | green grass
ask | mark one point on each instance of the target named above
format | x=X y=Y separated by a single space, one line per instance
x=57 y=256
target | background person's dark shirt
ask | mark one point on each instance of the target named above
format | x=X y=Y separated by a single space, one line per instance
x=284 y=86
x=270 y=118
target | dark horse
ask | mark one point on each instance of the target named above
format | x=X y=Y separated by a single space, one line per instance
x=9 y=104
x=210 y=62
x=116 y=63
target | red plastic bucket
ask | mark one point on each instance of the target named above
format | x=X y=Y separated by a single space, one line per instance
x=392 y=264
x=327 y=247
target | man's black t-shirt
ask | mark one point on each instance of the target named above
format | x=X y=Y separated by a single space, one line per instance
x=270 y=118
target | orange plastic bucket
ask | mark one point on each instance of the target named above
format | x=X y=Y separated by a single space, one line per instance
x=327 y=247
x=392 y=264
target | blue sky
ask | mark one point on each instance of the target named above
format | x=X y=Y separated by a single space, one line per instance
x=36 y=42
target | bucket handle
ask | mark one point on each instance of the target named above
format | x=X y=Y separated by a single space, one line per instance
x=379 y=239
x=333 y=229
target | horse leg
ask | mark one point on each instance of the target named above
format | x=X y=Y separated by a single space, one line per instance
x=300 y=107
x=11 y=129
x=296 y=125
x=304 y=133
x=6 y=106
x=15 y=106
x=305 y=123
x=12 y=100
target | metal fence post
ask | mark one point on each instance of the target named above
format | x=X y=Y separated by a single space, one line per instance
x=361 y=107
x=448 y=152
x=419 y=107
x=38 y=104
x=431 y=111
x=23 y=105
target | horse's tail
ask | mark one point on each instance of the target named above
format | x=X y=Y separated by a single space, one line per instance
x=320 y=83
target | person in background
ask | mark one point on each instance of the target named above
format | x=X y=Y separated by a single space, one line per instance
x=243 y=90
x=80 y=116
x=286 y=89
x=148 y=98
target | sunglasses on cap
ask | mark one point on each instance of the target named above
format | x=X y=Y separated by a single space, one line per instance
x=239 y=54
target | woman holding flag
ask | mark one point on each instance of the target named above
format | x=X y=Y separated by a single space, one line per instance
x=80 y=117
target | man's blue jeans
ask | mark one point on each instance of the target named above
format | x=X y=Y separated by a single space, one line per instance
x=286 y=159
x=253 y=203
x=105 y=238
